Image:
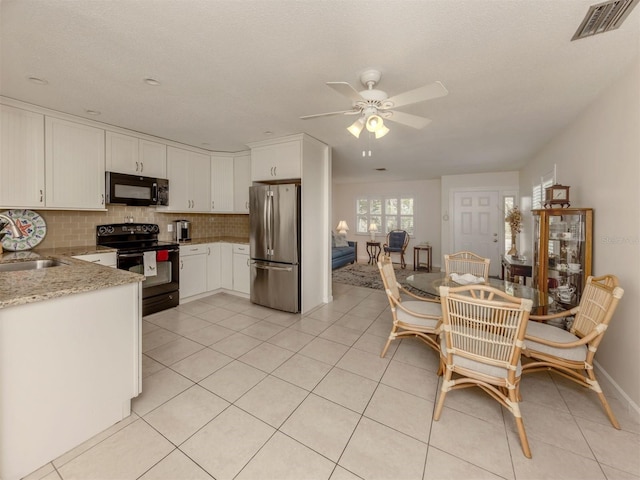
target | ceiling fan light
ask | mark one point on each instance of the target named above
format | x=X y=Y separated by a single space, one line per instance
x=374 y=122
x=381 y=132
x=356 y=127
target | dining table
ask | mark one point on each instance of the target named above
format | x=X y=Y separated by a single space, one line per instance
x=430 y=284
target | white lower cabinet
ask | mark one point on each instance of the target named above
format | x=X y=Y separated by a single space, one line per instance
x=213 y=266
x=109 y=258
x=226 y=266
x=241 y=270
x=193 y=270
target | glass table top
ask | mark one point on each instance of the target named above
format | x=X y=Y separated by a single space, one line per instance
x=430 y=283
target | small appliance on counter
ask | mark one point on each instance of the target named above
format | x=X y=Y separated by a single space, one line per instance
x=183 y=230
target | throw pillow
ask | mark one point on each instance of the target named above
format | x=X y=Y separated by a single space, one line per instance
x=341 y=240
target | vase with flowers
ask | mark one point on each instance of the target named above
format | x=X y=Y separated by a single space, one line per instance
x=514 y=219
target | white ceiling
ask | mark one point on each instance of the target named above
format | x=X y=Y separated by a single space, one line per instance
x=231 y=71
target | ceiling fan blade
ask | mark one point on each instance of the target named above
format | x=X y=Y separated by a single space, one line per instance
x=433 y=90
x=328 y=114
x=347 y=90
x=408 y=119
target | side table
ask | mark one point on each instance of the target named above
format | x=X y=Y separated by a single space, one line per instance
x=373 y=249
x=417 y=265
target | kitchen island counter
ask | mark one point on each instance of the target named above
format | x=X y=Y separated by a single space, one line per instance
x=76 y=276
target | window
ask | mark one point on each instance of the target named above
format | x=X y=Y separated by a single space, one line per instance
x=387 y=213
x=509 y=201
x=537 y=198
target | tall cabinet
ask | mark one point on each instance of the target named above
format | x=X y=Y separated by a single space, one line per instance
x=562 y=253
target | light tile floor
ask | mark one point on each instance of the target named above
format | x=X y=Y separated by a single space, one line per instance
x=236 y=391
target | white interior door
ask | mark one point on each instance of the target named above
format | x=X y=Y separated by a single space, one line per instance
x=477 y=225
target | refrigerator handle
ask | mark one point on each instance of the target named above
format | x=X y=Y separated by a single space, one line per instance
x=270 y=223
x=262 y=266
x=266 y=221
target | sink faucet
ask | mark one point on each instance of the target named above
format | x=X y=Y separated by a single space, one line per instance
x=15 y=231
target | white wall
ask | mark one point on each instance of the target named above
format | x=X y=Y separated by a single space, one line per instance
x=598 y=155
x=426 y=216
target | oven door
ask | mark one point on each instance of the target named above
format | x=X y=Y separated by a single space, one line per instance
x=160 y=291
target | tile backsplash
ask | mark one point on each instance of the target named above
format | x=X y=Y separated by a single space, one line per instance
x=78 y=228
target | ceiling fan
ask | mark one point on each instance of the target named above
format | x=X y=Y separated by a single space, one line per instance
x=373 y=105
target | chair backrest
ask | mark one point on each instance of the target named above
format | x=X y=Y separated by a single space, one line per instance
x=467 y=262
x=483 y=324
x=397 y=240
x=599 y=300
x=388 y=275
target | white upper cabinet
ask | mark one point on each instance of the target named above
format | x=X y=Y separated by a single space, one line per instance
x=22 y=180
x=241 y=182
x=153 y=158
x=127 y=154
x=75 y=165
x=221 y=184
x=277 y=161
x=189 y=180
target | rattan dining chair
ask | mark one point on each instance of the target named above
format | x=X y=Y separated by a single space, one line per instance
x=467 y=262
x=571 y=353
x=482 y=335
x=397 y=241
x=417 y=317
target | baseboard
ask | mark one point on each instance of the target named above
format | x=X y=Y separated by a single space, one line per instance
x=631 y=405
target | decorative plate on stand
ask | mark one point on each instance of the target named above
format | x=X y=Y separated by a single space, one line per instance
x=31 y=225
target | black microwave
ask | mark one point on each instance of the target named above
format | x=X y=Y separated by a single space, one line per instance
x=135 y=190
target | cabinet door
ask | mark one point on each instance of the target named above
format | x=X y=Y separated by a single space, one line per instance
x=121 y=153
x=241 y=273
x=221 y=184
x=562 y=253
x=226 y=266
x=193 y=275
x=213 y=266
x=74 y=162
x=199 y=182
x=178 y=174
x=21 y=158
x=276 y=162
x=241 y=182
x=189 y=180
x=153 y=159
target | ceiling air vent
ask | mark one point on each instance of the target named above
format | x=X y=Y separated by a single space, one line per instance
x=604 y=17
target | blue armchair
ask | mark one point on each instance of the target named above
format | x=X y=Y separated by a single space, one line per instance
x=397 y=241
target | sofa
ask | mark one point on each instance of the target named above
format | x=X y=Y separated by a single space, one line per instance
x=340 y=254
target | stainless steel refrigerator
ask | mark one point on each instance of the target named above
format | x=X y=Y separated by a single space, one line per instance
x=274 y=216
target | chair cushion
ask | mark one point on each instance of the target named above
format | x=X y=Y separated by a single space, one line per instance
x=475 y=365
x=425 y=308
x=554 y=334
x=396 y=242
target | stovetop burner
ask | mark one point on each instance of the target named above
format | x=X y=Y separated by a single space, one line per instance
x=131 y=236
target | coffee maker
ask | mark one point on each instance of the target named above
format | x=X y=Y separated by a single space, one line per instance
x=183 y=230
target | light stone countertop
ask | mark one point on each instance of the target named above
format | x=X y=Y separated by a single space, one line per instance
x=77 y=276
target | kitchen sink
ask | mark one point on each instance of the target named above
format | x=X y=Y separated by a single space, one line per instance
x=30 y=265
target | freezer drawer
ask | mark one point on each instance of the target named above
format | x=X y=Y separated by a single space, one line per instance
x=275 y=285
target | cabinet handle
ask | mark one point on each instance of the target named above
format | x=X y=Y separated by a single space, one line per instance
x=141 y=167
x=213 y=205
x=208 y=250
x=181 y=264
x=136 y=166
x=103 y=199
x=275 y=171
x=41 y=195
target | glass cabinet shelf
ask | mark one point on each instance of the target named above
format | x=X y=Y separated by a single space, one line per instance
x=562 y=253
